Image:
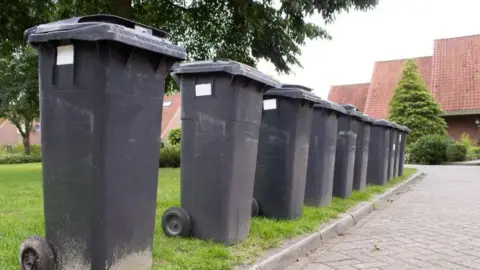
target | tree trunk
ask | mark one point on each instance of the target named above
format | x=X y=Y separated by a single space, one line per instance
x=26 y=144
x=122 y=8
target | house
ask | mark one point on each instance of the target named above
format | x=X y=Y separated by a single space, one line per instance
x=355 y=94
x=171 y=114
x=452 y=74
x=170 y=119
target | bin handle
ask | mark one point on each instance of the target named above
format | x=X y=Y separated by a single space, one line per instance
x=124 y=22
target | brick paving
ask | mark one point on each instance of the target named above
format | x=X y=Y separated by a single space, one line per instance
x=434 y=226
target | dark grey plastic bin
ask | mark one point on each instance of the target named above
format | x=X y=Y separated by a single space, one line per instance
x=345 y=153
x=398 y=130
x=378 y=156
x=392 y=152
x=402 y=141
x=321 y=157
x=283 y=151
x=221 y=116
x=361 y=126
x=101 y=89
x=344 y=164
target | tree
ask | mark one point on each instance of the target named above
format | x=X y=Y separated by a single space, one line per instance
x=243 y=30
x=19 y=91
x=174 y=137
x=413 y=105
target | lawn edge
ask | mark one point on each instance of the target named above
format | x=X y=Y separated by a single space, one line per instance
x=281 y=258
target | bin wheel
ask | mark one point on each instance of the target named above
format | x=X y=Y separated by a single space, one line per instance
x=36 y=254
x=176 y=222
x=255 y=208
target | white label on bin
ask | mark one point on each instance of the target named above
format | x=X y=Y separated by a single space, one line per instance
x=65 y=55
x=204 y=89
x=400 y=138
x=394 y=147
x=269 y=104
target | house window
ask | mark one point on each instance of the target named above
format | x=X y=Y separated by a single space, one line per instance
x=167 y=103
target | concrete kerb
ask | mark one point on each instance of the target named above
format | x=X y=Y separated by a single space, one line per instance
x=281 y=258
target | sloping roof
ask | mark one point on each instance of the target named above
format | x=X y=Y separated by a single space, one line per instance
x=171 y=110
x=385 y=77
x=456 y=76
x=355 y=94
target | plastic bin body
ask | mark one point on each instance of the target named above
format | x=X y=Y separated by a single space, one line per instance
x=321 y=159
x=360 y=125
x=344 y=164
x=398 y=137
x=393 y=148
x=101 y=92
x=282 y=158
x=221 y=116
x=378 y=157
x=403 y=144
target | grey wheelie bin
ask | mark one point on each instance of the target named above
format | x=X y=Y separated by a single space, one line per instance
x=101 y=90
x=392 y=151
x=378 y=155
x=402 y=144
x=345 y=154
x=221 y=116
x=362 y=129
x=282 y=157
x=321 y=157
x=398 y=130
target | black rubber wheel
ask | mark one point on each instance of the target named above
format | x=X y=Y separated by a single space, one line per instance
x=36 y=254
x=176 y=222
x=255 y=208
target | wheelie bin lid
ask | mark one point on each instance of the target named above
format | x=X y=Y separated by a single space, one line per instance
x=404 y=129
x=293 y=92
x=383 y=122
x=327 y=104
x=106 y=27
x=368 y=119
x=353 y=111
x=223 y=65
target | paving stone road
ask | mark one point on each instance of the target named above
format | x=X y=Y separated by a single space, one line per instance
x=434 y=226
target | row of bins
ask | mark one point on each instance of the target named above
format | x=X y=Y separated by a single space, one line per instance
x=249 y=145
x=280 y=143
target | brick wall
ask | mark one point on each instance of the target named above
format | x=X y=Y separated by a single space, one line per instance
x=457 y=125
x=9 y=135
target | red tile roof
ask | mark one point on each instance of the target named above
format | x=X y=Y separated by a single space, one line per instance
x=456 y=76
x=171 y=111
x=355 y=94
x=385 y=77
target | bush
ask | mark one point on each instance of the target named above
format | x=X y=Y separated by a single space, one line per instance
x=174 y=136
x=466 y=140
x=169 y=157
x=473 y=153
x=19 y=159
x=430 y=149
x=456 y=152
x=20 y=149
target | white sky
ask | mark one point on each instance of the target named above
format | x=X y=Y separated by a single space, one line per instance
x=394 y=29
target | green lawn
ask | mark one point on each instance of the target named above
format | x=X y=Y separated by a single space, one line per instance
x=21 y=216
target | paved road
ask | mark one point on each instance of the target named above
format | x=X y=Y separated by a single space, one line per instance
x=434 y=226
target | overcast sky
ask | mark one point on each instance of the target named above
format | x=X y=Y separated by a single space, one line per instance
x=395 y=29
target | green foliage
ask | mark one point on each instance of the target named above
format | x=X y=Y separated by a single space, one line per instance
x=242 y=30
x=19 y=101
x=36 y=150
x=169 y=157
x=412 y=105
x=475 y=153
x=430 y=150
x=466 y=140
x=456 y=152
x=19 y=159
x=174 y=137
